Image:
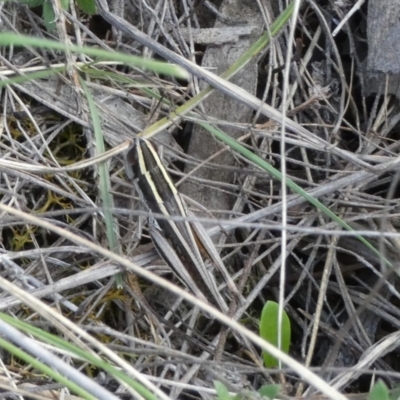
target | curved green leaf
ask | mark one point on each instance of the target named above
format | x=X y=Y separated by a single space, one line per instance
x=87 y=6
x=269 y=391
x=269 y=331
x=49 y=16
x=222 y=391
x=379 y=392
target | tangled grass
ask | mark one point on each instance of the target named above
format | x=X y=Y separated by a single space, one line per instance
x=312 y=221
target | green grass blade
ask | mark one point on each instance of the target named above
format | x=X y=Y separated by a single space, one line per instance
x=104 y=175
x=84 y=355
x=8 y=39
x=32 y=76
x=48 y=371
x=236 y=146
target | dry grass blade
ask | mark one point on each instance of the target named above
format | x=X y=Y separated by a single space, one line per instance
x=340 y=149
x=307 y=375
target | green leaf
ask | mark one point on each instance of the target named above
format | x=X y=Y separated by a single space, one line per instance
x=87 y=6
x=269 y=331
x=49 y=16
x=395 y=393
x=64 y=4
x=269 y=391
x=379 y=392
x=32 y=3
x=222 y=391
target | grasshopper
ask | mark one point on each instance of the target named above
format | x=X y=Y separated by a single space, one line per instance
x=181 y=244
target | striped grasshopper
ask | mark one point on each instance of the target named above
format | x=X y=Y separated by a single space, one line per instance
x=183 y=245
